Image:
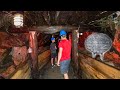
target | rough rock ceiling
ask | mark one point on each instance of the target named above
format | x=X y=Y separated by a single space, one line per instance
x=56 y=18
x=52 y=18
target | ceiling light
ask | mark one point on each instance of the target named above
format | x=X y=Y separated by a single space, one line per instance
x=18 y=20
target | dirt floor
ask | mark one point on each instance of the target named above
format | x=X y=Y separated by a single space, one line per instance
x=54 y=73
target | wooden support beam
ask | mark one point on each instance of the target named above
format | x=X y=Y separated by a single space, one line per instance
x=75 y=50
x=19 y=30
x=34 y=45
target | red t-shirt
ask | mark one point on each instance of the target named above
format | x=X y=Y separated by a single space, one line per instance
x=66 y=53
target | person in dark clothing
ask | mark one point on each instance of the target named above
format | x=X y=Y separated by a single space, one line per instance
x=53 y=49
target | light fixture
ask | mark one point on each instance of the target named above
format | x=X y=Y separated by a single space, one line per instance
x=18 y=20
x=81 y=33
x=30 y=50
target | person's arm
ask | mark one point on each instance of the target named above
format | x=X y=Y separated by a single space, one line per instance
x=55 y=47
x=59 y=56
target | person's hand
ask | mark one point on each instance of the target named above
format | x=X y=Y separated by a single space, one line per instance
x=58 y=64
x=55 y=47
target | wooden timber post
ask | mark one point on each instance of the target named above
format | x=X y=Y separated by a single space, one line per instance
x=75 y=36
x=34 y=45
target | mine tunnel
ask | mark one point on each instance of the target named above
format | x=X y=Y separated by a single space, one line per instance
x=25 y=38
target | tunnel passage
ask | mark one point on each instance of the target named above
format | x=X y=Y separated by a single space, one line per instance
x=49 y=72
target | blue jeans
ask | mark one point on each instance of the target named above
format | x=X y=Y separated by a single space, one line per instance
x=64 y=66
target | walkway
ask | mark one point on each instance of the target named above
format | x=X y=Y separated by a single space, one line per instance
x=53 y=73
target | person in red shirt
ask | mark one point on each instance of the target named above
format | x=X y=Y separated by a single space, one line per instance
x=64 y=54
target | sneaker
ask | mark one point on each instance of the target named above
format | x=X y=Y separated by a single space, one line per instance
x=52 y=66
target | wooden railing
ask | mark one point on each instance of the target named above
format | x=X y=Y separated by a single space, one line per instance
x=95 y=69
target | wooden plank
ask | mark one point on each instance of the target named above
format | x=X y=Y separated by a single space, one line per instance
x=43 y=58
x=22 y=73
x=27 y=74
x=19 y=30
x=43 y=55
x=90 y=72
x=96 y=68
x=44 y=63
